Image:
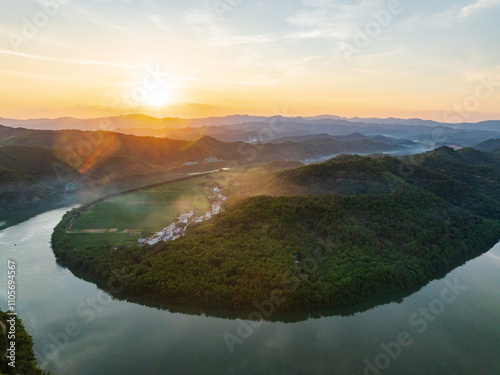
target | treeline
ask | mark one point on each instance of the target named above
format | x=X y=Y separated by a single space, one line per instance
x=28 y=179
x=349 y=249
x=361 y=227
x=468 y=178
x=25 y=362
x=18 y=191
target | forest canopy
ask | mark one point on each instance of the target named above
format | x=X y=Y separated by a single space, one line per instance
x=336 y=233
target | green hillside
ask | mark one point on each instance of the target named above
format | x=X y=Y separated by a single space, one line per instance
x=93 y=152
x=45 y=161
x=467 y=178
x=491 y=145
x=358 y=226
x=28 y=177
x=36 y=162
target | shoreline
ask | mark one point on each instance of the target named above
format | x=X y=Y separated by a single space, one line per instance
x=63 y=251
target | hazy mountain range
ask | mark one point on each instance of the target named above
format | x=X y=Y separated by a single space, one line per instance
x=127 y=149
x=35 y=164
x=145 y=121
x=261 y=129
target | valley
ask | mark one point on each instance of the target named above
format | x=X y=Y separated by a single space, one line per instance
x=229 y=187
x=224 y=229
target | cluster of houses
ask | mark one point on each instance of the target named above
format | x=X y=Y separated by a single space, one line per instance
x=169 y=233
x=178 y=228
x=211 y=159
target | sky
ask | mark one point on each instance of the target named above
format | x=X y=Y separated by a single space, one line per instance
x=436 y=60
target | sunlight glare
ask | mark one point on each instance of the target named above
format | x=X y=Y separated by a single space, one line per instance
x=159 y=97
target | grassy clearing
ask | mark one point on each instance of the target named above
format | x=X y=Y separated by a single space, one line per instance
x=145 y=211
x=116 y=239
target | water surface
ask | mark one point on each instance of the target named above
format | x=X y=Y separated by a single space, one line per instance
x=77 y=329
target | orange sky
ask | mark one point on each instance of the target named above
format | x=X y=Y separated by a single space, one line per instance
x=85 y=60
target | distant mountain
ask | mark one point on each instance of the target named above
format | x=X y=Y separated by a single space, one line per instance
x=322 y=117
x=35 y=165
x=98 y=159
x=139 y=121
x=104 y=123
x=33 y=161
x=395 y=121
x=102 y=158
x=126 y=122
x=491 y=145
x=346 y=138
x=437 y=171
x=76 y=147
x=269 y=132
x=30 y=176
x=464 y=137
x=492 y=126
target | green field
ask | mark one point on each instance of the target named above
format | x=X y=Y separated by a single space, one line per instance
x=141 y=213
x=115 y=239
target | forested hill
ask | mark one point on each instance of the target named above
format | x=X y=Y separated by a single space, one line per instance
x=28 y=177
x=78 y=147
x=467 y=178
x=491 y=145
x=35 y=165
x=398 y=223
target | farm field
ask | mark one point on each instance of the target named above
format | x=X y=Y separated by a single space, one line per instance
x=116 y=239
x=124 y=219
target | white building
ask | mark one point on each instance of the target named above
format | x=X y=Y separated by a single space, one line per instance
x=153 y=241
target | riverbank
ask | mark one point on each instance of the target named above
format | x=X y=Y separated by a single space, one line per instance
x=247 y=253
x=24 y=361
x=183 y=340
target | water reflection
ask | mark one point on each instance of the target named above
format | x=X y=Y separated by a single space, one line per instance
x=124 y=337
x=268 y=315
x=11 y=218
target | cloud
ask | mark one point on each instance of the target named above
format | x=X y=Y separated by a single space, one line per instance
x=160 y=22
x=205 y=25
x=113 y=64
x=67 y=61
x=197 y=79
x=478 y=5
x=332 y=19
x=100 y=19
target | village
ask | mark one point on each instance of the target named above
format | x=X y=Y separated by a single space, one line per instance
x=178 y=228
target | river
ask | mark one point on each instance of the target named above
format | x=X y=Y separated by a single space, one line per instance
x=450 y=326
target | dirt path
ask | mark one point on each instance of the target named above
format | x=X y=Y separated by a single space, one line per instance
x=95 y=231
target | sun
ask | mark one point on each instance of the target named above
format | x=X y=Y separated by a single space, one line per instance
x=159 y=97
